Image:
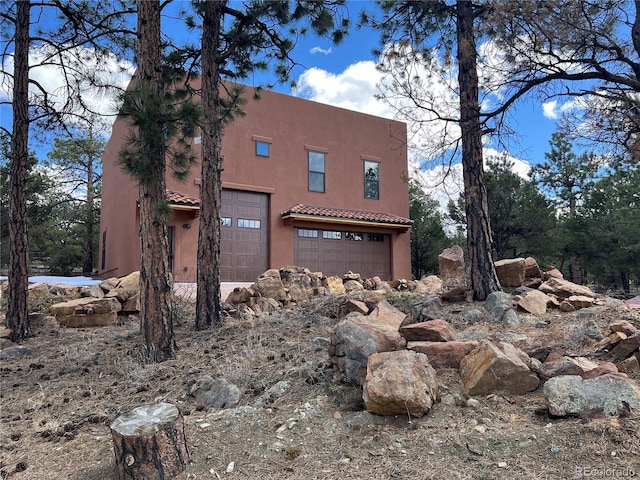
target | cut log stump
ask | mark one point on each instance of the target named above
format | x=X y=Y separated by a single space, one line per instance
x=149 y=443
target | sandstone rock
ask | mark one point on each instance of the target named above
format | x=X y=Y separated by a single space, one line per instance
x=603 y=369
x=269 y=285
x=431 y=285
x=458 y=294
x=334 y=285
x=354 y=306
x=580 y=301
x=400 y=383
x=564 y=288
x=125 y=287
x=625 y=348
x=218 y=393
x=87 y=312
x=566 y=307
x=452 y=269
x=5 y=333
x=611 y=394
x=444 y=354
x=430 y=331
x=534 y=302
x=38 y=290
x=556 y=367
x=623 y=326
x=552 y=273
x=616 y=337
x=531 y=268
x=510 y=272
x=353 y=286
x=85 y=306
x=629 y=365
x=131 y=304
x=496 y=369
x=352 y=276
x=237 y=296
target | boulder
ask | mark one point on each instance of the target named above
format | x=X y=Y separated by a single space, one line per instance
x=430 y=331
x=351 y=346
x=498 y=368
x=38 y=290
x=353 y=305
x=87 y=312
x=552 y=273
x=510 y=272
x=610 y=394
x=237 y=296
x=534 y=301
x=623 y=326
x=126 y=287
x=452 y=269
x=626 y=348
x=131 y=304
x=334 y=285
x=444 y=354
x=400 y=383
x=353 y=286
x=429 y=308
x=431 y=285
x=531 y=268
x=580 y=301
x=563 y=288
x=498 y=303
x=218 y=393
x=565 y=366
x=269 y=285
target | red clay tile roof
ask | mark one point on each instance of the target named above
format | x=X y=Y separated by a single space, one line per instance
x=340 y=214
x=177 y=198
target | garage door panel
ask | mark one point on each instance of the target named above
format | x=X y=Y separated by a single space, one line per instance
x=334 y=253
x=244 y=251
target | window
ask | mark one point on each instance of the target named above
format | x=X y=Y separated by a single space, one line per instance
x=375 y=237
x=302 y=232
x=316 y=171
x=356 y=237
x=245 y=223
x=332 y=235
x=371 y=180
x=225 y=221
x=262 y=148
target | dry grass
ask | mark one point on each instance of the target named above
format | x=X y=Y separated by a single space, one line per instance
x=57 y=405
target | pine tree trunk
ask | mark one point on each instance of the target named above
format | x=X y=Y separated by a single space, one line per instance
x=149 y=442
x=483 y=275
x=87 y=266
x=208 y=306
x=156 y=287
x=17 y=295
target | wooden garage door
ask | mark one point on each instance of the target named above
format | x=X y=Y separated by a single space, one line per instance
x=245 y=233
x=334 y=252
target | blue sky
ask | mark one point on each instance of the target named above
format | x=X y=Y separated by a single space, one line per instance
x=344 y=75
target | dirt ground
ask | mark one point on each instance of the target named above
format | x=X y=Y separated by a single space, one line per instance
x=58 y=403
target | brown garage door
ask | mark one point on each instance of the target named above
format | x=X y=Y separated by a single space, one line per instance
x=334 y=252
x=244 y=229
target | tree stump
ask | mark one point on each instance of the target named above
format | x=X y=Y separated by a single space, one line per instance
x=149 y=443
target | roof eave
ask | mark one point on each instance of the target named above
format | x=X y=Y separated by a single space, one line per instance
x=343 y=221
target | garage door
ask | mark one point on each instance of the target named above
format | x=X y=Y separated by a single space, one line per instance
x=244 y=235
x=334 y=252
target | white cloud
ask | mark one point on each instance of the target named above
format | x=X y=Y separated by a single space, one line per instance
x=549 y=109
x=319 y=49
x=353 y=89
x=90 y=75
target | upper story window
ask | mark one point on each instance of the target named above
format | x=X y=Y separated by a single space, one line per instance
x=306 y=233
x=248 y=223
x=262 y=145
x=262 y=148
x=316 y=171
x=371 y=179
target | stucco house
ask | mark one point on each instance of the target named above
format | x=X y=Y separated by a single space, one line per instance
x=304 y=184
